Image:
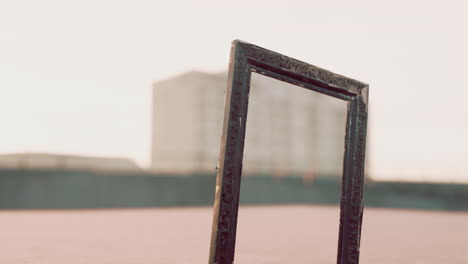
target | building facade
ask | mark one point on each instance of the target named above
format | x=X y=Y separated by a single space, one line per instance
x=290 y=130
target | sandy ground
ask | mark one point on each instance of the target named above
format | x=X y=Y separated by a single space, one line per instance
x=266 y=234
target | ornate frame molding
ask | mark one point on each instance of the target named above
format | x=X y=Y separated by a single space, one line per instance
x=246 y=58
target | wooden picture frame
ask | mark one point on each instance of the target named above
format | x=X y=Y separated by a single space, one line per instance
x=246 y=58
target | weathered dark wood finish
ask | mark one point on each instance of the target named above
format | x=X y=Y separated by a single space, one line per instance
x=244 y=59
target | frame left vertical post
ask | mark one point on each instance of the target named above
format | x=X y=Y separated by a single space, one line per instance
x=223 y=236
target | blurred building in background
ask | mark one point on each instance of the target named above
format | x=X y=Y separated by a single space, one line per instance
x=289 y=131
x=47 y=161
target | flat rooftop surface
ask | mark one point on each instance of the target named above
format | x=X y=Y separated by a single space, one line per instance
x=266 y=234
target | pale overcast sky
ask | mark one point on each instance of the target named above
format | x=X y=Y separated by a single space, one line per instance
x=75 y=76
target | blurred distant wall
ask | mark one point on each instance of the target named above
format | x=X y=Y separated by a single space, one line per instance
x=288 y=133
x=48 y=161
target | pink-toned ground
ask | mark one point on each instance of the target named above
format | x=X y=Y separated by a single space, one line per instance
x=266 y=234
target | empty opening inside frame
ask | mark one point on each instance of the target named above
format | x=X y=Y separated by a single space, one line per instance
x=294 y=140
